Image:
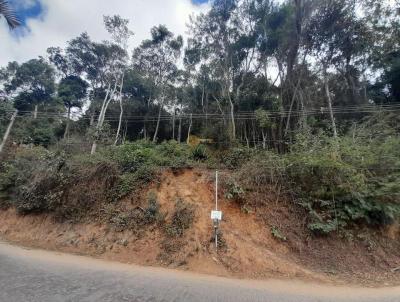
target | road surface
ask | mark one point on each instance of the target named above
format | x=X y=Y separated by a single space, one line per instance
x=41 y=276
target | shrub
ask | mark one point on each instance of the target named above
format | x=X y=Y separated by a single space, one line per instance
x=182 y=219
x=136 y=219
x=236 y=157
x=233 y=190
x=346 y=180
x=199 y=153
x=131 y=156
x=262 y=171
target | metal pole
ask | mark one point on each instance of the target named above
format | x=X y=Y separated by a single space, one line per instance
x=216 y=239
x=216 y=208
x=216 y=190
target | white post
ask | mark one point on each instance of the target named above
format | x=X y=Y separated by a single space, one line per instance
x=216 y=190
x=216 y=208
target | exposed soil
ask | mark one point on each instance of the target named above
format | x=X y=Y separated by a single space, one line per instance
x=248 y=249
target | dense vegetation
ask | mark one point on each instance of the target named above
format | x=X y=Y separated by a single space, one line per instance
x=296 y=96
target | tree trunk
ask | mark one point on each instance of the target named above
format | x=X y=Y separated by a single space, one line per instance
x=125 y=132
x=35 y=113
x=246 y=137
x=254 y=135
x=66 y=132
x=173 y=125
x=121 y=111
x=8 y=130
x=264 y=137
x=158 y=120
x=232 y=111
x=190 y=129
x=106 y=102
x=328 y=96
x=180 y=128
x=291 y=107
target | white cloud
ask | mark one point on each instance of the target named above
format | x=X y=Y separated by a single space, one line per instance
x=63 y=20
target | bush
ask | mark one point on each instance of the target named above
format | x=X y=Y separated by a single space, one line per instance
x=136 y=219
x=346 y=180
x=199 y=153
x=233 y=190
x=17 y=172
x=262 y=171
x=182 y=219
x=131 y=156
x=132 y=181
x=236 y=157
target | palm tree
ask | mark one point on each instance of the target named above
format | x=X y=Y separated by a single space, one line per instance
x=9 y=14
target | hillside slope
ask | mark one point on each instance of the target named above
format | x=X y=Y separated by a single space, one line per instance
x=248 y=246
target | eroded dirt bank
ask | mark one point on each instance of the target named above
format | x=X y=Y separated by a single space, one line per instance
x=248 y=248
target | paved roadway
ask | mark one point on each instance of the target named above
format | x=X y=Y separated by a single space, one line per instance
x=40 y=276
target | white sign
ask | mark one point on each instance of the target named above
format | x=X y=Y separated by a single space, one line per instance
x=216 y=215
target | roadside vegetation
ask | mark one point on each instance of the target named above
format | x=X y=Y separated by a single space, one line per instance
x=298 y=98
x=340 y=182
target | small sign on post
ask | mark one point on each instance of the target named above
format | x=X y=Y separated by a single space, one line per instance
x=216 y=216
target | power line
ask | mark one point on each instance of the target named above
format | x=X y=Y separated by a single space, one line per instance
x=238 y=115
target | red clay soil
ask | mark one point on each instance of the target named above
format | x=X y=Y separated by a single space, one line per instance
x=248 y=248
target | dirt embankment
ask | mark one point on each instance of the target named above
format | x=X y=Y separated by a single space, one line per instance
x=248 y=247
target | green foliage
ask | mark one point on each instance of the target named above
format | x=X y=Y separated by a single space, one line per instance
x=261 y=171
x=199 y=153
x=39 y=132
x=33 y=180
x=277 y=234
x=346 y=180
x=131 y=156
x=132 y=181
x=233 y=190
x=17 y=171
x=236 y=157
x=182 y=219
x=339 y=181
x=323 y=228
x=138 y=218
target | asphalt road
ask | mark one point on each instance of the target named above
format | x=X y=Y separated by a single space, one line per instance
x=41 y=276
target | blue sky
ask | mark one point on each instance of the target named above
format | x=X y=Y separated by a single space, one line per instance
x=27 y=9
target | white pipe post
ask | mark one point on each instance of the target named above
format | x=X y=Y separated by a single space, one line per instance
x=216 y=208
x=216 y=190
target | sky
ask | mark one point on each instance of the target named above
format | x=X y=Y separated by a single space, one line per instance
x=53 y=22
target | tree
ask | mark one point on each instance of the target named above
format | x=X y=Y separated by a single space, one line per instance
x=332 y=37
x=101 y=64
x=156 y=60
x=117 y=27
x=33 y=83
x=9 y=14
x=225 y=39
x=72 y=91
